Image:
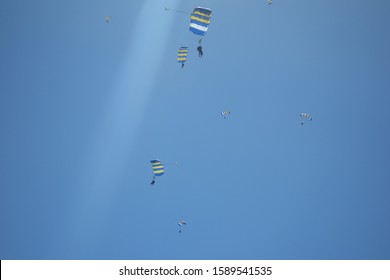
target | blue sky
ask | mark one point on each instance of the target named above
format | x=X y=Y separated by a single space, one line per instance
x=85 y=104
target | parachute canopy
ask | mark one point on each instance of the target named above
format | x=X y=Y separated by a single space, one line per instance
x=225 y=113
x=306 y=116
x=200 y=20
x=182 y=54
x=158 y=167
x=107 y=18
x=181 y=223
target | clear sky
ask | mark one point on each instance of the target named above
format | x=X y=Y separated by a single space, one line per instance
x=85 y=105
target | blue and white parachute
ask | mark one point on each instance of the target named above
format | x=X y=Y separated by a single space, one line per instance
x=200 y=20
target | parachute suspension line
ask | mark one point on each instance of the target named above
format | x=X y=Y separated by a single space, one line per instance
x=176 y=11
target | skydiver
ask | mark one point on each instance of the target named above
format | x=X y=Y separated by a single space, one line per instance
x=153 y=181
x=182 y=65
x=200 y=50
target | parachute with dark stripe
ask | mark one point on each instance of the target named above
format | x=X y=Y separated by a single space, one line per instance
x=200 y=20
x=181 y=223
x=158 y=167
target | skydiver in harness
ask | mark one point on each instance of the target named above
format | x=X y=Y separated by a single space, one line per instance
x=199 y=48
x=153 y=181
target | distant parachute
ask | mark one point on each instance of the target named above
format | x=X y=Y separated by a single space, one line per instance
x=225 y=113
x=182 y=55
x=107 y=18
x=269 y=2
x=305 y=116
x=200 y=20
x=181 y=223
x=158 y=167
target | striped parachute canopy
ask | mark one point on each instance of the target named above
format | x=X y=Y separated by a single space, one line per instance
x=306 y=116
x=225 y=113
x=200 y=20
x=182 y=55
x=158 y=167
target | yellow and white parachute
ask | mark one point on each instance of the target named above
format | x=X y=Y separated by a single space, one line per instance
x=158 y=167
x=182 y=55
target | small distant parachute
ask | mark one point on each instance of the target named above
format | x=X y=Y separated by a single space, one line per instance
x=200 y=20
x=305 y=116
x=108 y=18
x=181 y=223
x=225 y=113
x=182 y=55
x=158 y=167
x=269 y=2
